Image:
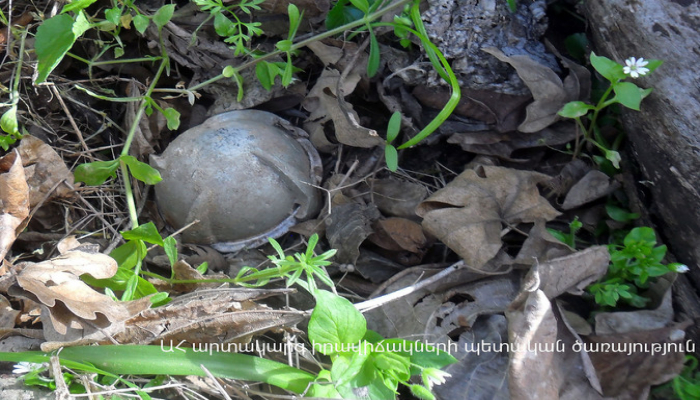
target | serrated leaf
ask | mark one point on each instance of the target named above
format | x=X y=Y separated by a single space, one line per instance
x=163 y=15
x=53 y=39
x=8 y=121
x=335 y=321
x=173 y=117
x=142 y=171
x=141 y=23
x=392 y=157
x=146 y=232
x=97 y=172
x=373 y=61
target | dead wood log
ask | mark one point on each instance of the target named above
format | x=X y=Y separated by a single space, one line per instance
x=665 y=136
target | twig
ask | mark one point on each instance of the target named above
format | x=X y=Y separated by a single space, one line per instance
x=72 y=121
x=388 y=298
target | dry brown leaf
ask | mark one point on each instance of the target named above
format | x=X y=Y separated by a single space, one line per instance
x=184 y=271
x=400 y=234
x=213 y=316
x=540 y=246
x=44 y=169
x=631 y=375
x=7 y=313
x=594 y=185
x=326 y=104
x=14 y=200
x=549 y=92
x=574 y=272
x=396 y=198
x=347 y=227
x=468 y=214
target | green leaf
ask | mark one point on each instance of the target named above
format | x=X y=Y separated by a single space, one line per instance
x=392 y=130
x=97 y=172
x=228 y=71
x=287 y=74
x=342 y=14
x=173 y=117
x=335 y=321
x=348 y=366
x=81 y=24
x=392 y=157
x=642 y=234
x=513 y=5
x=170 y=247
x=141 y=23
x=575 y=109
x=142 y=171
x=8 y=121
x=610 y=70
x=421 y=391
x=77 y=5
x=653 y=65
x=113 y=15
x=266 y=74
x=620 y=214
x=146 y=232
x=294 y=20
x=614 y=157
x=223 y=26
x=284 y=45
x=577 y=45
x=54 y=38
x=373 y=60
x=163 y=15
x=203 y=267
x=628 y=94
x=362 y=5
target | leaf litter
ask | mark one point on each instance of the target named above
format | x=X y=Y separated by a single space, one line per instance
x=520 y=285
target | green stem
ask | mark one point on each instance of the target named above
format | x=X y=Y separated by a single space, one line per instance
x=304 y=43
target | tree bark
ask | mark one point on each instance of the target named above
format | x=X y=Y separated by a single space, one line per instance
x=665 y=135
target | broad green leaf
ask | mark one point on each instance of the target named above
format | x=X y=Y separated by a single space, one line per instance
x=399 y=364
x=373 y=60
x=392 y=157
x=423 y=355
x=347 y=366
x=126 y=255
x=163 y=15
x=222 y=25
x=141 y=23
x=172 y=116
x=335 y=321
x=170 y=247
x=8 y=121
x=610 y=70
x=97 y=172
x=113 y=15
x=142 y=171
x=118 y=52
x=628 y=94
x=362 y=5
x=160 y=298
x=81 y=24
x=614 y=157
x=642 y=234
x=146 y=232
x=284 y=45
x=392 y=131
x=265 y=74
x=54 y=38
x=575 y=109
x=342 y=13
x=620 y=214
x=653 y=65
x=77 y=5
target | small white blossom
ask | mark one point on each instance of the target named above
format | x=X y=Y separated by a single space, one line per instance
x=434 y=376
x=682 y=268
x=24 y=367
x=635 y=67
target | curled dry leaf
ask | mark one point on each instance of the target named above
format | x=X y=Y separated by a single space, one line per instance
x=549 y=92
x=44 y=169
x=574 y=272
x=396 y=198
x=594 y=185
x=326 y=103
x=14 y=200
x=347 y=227
x=401 y=235
x=540 y=246
x=7 y=313
x=469 y=213
x=70 y=308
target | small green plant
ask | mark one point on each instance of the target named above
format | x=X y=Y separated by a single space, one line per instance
x=626 y=93
x=392 y=131
x=632 y=264
x=570 y=237
x=685 y=386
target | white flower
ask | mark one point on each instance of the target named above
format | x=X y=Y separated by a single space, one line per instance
x=24 y=367
x=434 y=376
x=635 y=67
x=681 y=268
